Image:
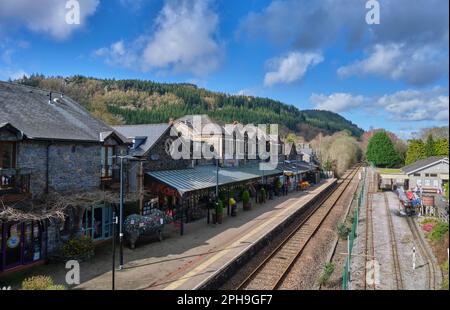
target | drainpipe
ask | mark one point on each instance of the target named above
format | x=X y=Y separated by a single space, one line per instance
x=47 y=172
x=141 y=186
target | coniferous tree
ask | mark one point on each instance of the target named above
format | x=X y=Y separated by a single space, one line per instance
x=381 y=151
x=430 y=146
x=415 y=151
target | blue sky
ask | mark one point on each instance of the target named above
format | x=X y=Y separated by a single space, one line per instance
x=312 y=54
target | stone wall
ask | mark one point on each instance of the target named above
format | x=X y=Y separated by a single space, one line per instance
x=158 y=159
x=72 y=167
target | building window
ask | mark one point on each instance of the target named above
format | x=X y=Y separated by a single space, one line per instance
x=108 y=158
x=97 y=222
x=427 y=182
x=7 y=161
x=427 y=175
x=20 y=243
x=435 y=183
x=7 y=155
x=433 y=175
x=417 y=174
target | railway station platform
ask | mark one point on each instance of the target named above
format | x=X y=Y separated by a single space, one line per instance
x=188 y=262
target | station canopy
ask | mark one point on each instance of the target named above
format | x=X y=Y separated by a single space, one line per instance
x=296 y=167
x=204 y=177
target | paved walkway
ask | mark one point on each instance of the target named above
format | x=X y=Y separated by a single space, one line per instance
x=185 y=262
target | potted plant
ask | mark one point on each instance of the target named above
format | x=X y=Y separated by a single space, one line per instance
x=219 y=212
x=263 y=195
x=278 y=187
x=246 y=200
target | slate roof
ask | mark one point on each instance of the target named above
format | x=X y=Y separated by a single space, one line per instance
x=28 y=109
x=149 y=134
x=418 y=165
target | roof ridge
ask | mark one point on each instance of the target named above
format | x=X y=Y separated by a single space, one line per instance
x=34 y=88
x=130 y=125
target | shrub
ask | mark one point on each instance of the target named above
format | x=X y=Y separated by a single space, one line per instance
x=40 y=283
x=219 y=207
x=439 y=231
x=327 y=272
x=263 y=193
x=445 y=272
x=82 y=246
x=278 y=184
x=245 y=197
x=343 y=230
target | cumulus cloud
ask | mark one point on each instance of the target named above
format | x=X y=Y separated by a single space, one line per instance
x=417 y=105
x=416 y=66
x=337 y=102
x=43 y=16
x=184 y=40
x=291 y=67
x=406 y=105
x=117 y=54
x=415 y=34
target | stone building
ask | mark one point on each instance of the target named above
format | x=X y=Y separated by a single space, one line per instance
x=187 y=186
x=50 y=146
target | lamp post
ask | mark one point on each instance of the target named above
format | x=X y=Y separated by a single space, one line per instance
x=115 y=220
x=121 y=215
x=217 y=179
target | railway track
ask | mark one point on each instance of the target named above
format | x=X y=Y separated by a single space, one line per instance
x=395 y=261
x=425 y=253
x=369 y=240
x=271 y=272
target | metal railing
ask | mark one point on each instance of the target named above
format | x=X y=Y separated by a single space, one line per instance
x=352 y=235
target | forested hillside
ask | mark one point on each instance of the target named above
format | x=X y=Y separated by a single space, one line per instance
x=137 y=102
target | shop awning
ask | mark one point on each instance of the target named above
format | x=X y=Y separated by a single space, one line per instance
x=204 y=177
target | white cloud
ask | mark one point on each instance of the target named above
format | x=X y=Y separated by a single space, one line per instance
x=12 y=74
x=413 y=39
x=184 y=40
x=117 y=54
x=290 y=68
x=417 y=66
x=417 y=105
x=406 y=105
x=43 y=16
x=337 y=102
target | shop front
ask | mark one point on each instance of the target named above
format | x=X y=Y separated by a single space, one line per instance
x=21 y=244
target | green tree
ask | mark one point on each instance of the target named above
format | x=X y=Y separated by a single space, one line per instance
x=381 y=151
x=430 y=146
x=415 y=152
x=441 y=147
